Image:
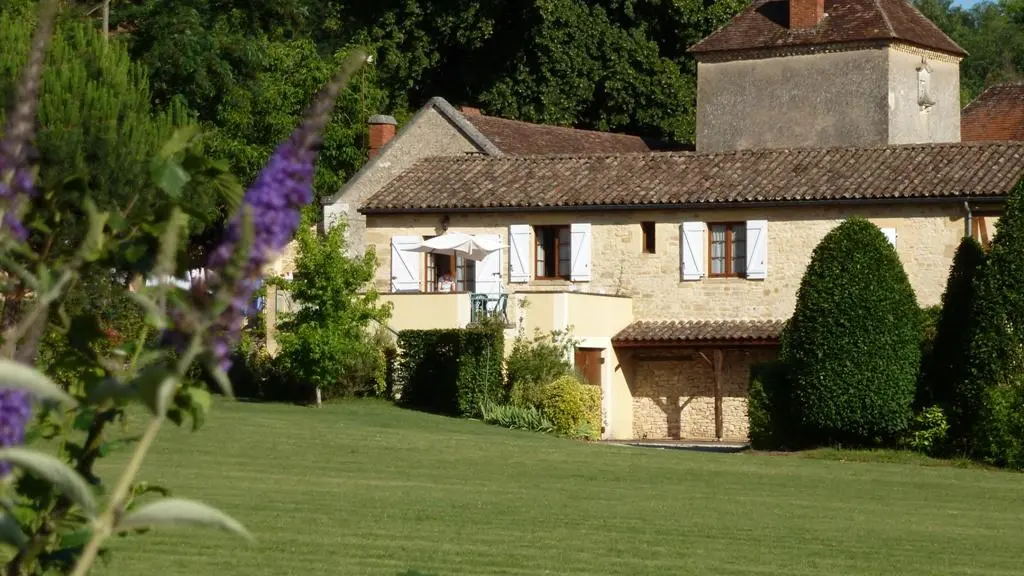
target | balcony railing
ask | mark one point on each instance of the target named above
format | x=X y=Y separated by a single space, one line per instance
x=483 y=307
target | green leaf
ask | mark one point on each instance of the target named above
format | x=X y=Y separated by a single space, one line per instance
x=180 y=512
x=22 y=377
x=171 y=178
x=92 y=247
x=57 y=473
x=221 y=377
x=76 y=539
x=111 y=388
x=176 y=222
x=197 y=401
x=156 y=386
x=153 y=314
x=10 y=531
x=178 y=141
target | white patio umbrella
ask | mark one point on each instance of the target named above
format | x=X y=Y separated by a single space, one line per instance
x=459 y=244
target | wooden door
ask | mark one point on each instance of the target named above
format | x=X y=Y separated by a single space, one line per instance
x=588 y=364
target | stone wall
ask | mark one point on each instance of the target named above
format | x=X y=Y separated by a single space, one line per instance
x=927 y=239
x=674 y=399
x=825 y=96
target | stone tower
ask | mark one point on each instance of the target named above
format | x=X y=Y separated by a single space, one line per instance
x=827 y=73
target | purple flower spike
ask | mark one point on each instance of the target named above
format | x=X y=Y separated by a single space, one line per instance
x=15 y=411
x=273 y=204
x=16 y=175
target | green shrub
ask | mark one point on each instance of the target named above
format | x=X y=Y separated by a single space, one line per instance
x=768 y=407
x=943 y=368
x=928 y=432
x=1002 y=425
x=515 y=417
x=534 y=363
x=852 y=347
x=985 y=423
x=573 y=407
x=450 y=371
x=328 y=343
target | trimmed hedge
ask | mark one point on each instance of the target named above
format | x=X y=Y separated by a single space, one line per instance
x=991 y=398
x=945 y=367
x=450 y=371
x=852 y=348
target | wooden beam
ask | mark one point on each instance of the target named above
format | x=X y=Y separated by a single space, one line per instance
x=719 y=360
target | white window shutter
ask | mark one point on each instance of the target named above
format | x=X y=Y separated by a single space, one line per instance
x=405 y=265
x=692 y=246
x=890 y=235
x=580 y=246
x=488 y=270
x=519 y=253
x=757 y=249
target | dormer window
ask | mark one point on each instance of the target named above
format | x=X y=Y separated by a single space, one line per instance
x=924 y=86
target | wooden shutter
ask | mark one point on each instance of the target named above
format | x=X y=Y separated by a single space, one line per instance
x=488 y=270
x=890 y=235
x=692 y=247
x=519 y=253
x=405 y=265
x=757 y=249
x=580 y=246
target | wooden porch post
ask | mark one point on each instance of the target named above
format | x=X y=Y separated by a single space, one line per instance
x=719 y=358
x=716 y=361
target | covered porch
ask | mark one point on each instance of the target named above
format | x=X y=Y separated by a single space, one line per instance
x=688 y=379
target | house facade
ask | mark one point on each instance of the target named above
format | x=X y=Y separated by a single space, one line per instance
x=675 y=270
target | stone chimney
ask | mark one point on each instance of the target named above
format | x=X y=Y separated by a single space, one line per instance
x=805 y=13
x=382 y=130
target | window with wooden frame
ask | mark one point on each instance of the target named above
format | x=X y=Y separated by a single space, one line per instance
x=553 y=252
x=447 y=273
x=647 y=231
x=727 y=253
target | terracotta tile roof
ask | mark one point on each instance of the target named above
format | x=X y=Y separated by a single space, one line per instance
x=997 y=114
x=699 y=331
x=765 y=24
x=523 y=138
x=983 y=169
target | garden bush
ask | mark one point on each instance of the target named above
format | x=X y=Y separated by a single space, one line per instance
x=852 y=348
x=943 y=367
x=768 y=407
x=515 y=417
x=990 y=399
x=535 y=363
x=573 y=407
x=928 y=432
x=450 y=371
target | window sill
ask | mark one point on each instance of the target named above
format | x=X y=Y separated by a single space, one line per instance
x=550 y=282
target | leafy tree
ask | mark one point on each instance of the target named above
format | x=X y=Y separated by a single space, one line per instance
x=944 y=368
x=851 y=348
x=994 y=390
x=248 y=70
x=993 y=35
x=326 y=345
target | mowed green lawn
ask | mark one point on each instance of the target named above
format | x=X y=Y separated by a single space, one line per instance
x=367 y=488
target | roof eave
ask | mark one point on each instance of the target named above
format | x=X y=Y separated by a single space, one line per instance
x=684 y=343
x=959 y=199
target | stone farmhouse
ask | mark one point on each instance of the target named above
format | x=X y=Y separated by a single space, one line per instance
x=675 y=270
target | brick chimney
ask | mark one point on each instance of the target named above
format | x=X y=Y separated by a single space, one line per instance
x=805 y=13
x=382 y=130
x=469 y=111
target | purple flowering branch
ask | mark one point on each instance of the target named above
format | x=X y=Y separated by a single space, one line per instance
x=17 y=176
x=265 y=223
